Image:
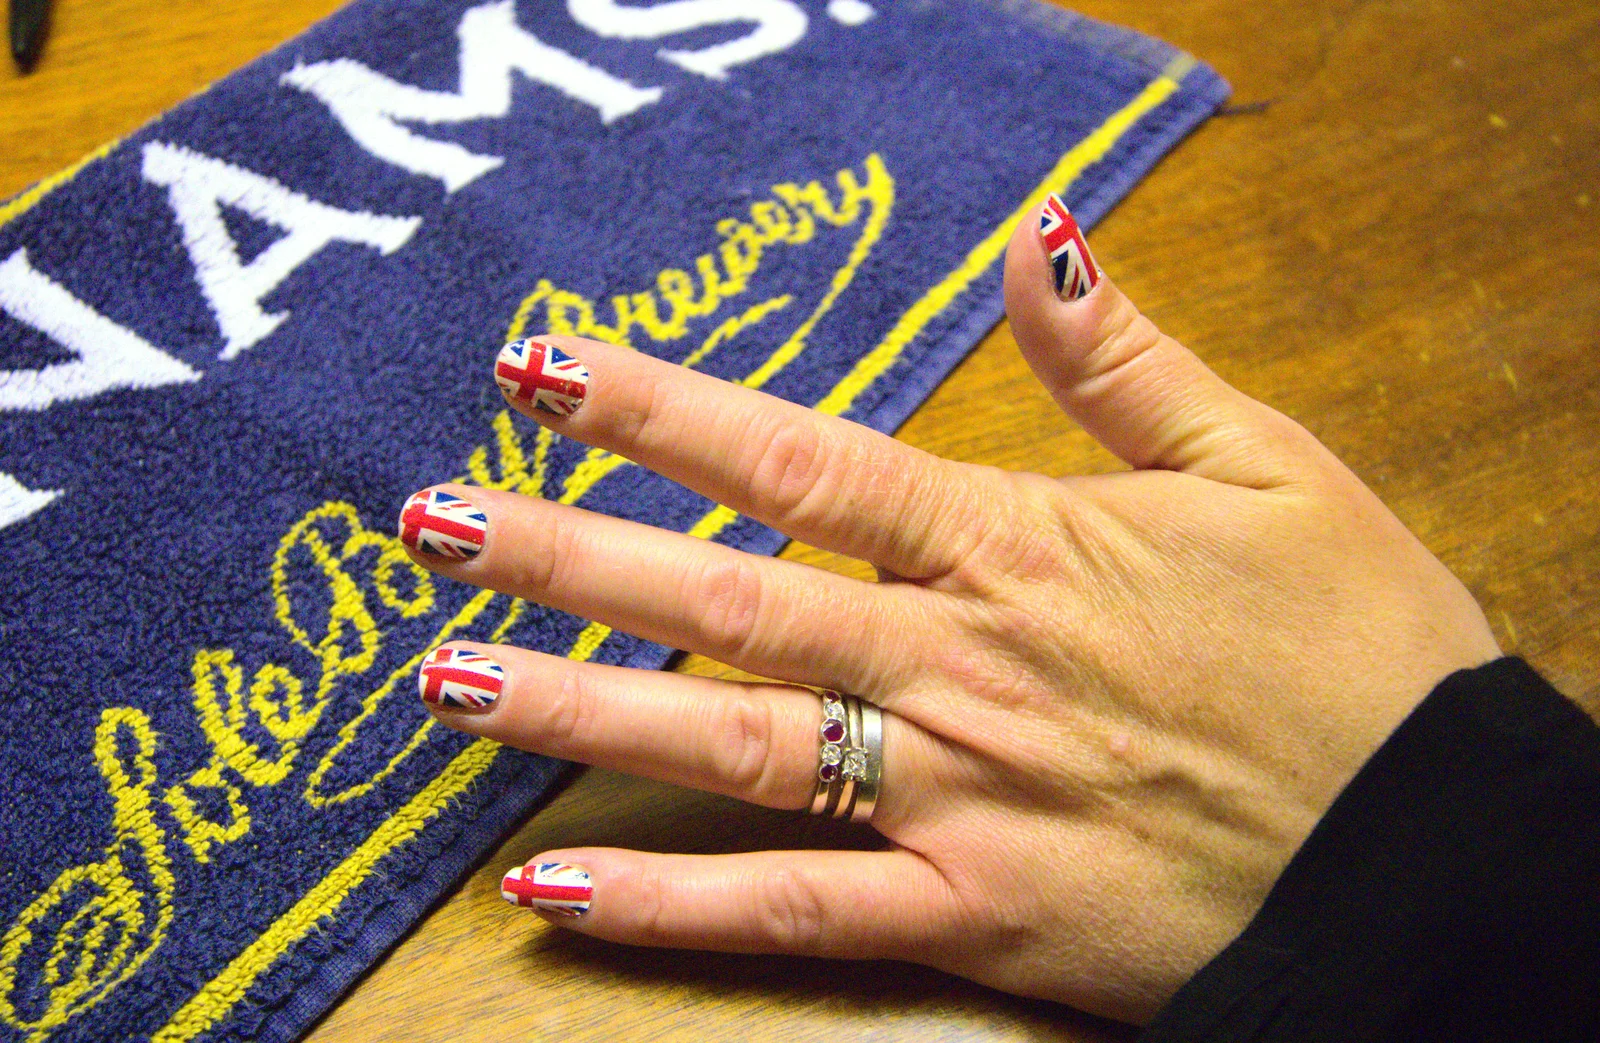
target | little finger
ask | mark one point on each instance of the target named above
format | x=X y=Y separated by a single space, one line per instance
x=852 y=904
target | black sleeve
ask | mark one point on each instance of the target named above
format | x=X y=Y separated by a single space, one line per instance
x=1451 y=893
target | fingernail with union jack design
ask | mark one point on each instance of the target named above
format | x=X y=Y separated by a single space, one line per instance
x=437 y=522
x=541 y=375
x=457 y=679
x=1073 y=264
x=554 y=887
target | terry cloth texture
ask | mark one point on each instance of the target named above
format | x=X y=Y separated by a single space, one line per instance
x=232 y=344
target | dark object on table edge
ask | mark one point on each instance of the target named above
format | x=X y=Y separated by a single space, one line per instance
x=1451 y=893
x=30 y=22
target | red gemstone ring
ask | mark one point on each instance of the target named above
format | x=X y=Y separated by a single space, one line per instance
x=849 y=758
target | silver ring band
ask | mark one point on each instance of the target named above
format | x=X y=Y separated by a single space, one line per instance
x=866 y=795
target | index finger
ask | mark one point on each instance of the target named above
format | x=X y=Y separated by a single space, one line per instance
x=820 y=479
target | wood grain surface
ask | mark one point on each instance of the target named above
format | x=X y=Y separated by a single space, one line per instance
x=1394 y=237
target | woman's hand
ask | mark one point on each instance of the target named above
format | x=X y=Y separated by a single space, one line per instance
x=1114 y=706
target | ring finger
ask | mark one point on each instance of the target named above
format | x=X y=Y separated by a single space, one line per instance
x=756 y=742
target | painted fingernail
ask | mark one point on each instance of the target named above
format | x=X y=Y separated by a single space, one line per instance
x=555 y=887
x=544 y=376
x=434 y=522
x=1075 y=271
x=460 y=680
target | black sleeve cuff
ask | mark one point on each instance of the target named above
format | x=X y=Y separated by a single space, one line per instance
x=1452 y=891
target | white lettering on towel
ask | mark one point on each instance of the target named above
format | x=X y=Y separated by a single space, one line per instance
x=17 y=501
x=108 y=355
x=370 y=106
x=199 y=186
x=779 y=25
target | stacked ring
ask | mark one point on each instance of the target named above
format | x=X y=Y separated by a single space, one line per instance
x=850 y=758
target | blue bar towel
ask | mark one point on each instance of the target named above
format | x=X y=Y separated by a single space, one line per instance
x=231 y=344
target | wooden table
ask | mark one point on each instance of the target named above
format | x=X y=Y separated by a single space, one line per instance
x=1394 y=236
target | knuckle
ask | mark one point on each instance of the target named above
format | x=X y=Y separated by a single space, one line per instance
x=792 y=467
x=1126 y=336
x=788 y=911
x=730 y=595
x=633 y=416
x=649 y=908
x=566 y=721
x=546 y=570
x=647 y=416
x=743 y=756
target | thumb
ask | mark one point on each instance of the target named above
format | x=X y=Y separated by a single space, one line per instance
x=1140 y=393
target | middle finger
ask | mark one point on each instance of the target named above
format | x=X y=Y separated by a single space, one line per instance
x=766 y=616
